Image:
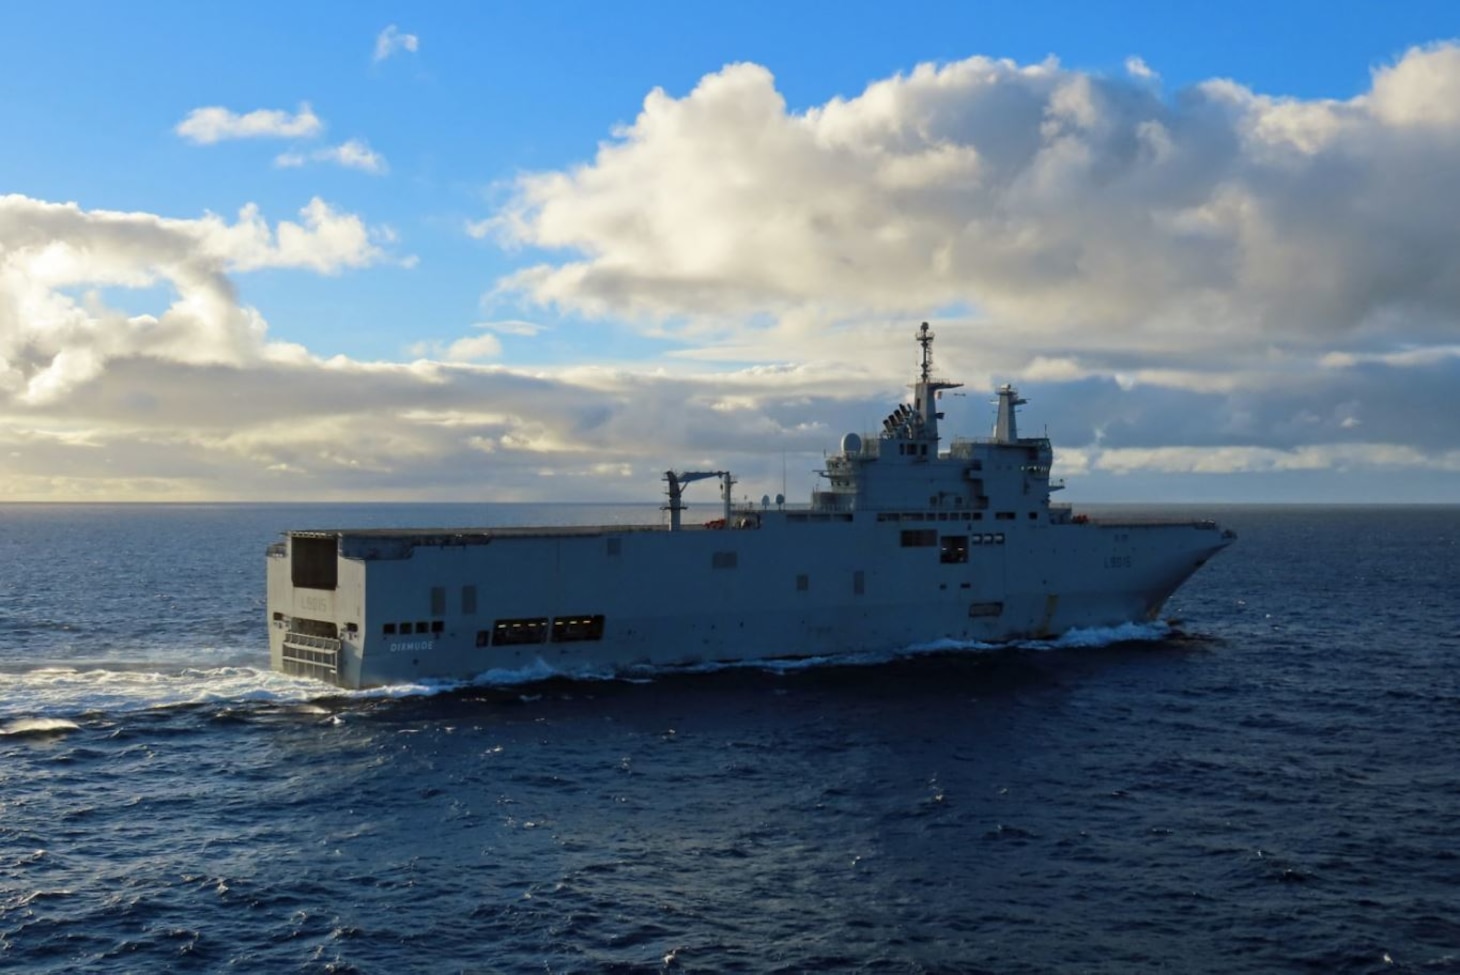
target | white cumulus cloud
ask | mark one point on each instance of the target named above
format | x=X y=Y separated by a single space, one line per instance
x=53 y=339
x=206 y=126
x=352 y=154
x=1089 y=211
x=391 y=40
x=1138 y=68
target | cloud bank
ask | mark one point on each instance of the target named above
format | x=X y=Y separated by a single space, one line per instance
x=1264 y=282
x=1191 y=283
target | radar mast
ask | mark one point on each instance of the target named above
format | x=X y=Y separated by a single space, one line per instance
x=927 y=388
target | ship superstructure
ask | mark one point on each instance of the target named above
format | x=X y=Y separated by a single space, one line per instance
x=908 y=543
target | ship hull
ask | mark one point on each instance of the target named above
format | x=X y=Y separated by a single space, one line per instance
x=360 y=609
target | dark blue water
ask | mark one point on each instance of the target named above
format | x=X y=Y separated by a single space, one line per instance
x=1273 y=787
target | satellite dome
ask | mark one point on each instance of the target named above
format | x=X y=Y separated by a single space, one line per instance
x=851 y=444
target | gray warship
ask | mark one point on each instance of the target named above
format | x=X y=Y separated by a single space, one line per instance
x=908 y=543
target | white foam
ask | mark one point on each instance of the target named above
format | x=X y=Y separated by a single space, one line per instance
x=37 y=726
x=57 y=692
x=1104 y=636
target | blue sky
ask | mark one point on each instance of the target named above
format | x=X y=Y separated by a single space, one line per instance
x=468 y=253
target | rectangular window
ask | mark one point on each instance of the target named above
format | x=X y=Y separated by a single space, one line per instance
x=1005 y=516
x=986 y=609
x=571 y=629
x=438 y=600
x=422 y=626
x=438 y=626
x=919 y=537
x=953 y=548
x=509 y=633
x=388 y=629
x=724 y=560
x=468 y=600
x=405 y=628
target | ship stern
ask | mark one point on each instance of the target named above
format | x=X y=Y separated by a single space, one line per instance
x=313 y=607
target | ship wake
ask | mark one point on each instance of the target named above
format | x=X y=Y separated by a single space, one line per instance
x=48 y=700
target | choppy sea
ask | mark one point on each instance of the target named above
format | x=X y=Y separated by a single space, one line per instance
x=1271 y=784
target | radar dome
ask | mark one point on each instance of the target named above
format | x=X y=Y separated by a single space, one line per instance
x=851 y=444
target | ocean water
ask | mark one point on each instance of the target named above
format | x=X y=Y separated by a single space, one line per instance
x=1272 y=784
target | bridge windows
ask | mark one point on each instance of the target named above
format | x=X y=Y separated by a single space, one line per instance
x=953 y=549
